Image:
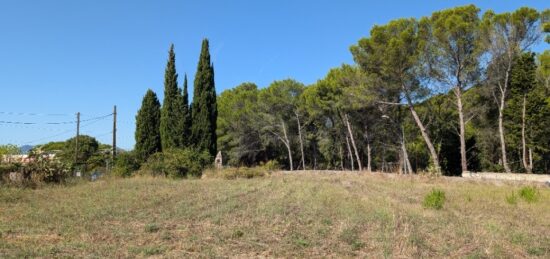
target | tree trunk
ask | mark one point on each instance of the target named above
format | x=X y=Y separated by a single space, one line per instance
x=530 y=160
x=463 y=159
x=501 y=133
x=301 y=141
x=368 y=150
x=287 y=144
x=406 y=162
x=523 y=144
x=341 y=156
x=427 y=139
x=503 y=90
x=350 y=154
x=353 y=142
x=315 y=155
x=384 y=164
x=402 y=163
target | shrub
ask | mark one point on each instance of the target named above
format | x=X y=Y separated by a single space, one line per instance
x=40 y=169
x=271 y=165
x=529 y=194
x=126 y=164
x=6 y=169
x=236 y=172
x=434 y=199
x=177 y=163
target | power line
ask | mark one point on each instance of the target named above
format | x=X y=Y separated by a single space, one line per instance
x=35 y=114
x=54 y=123
x=67 y=131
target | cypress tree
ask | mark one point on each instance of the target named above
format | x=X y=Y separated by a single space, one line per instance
x=186 y=139
x=147 y=127
x=204 y=110
x=171 y=119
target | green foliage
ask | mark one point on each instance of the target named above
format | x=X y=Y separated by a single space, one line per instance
x=423 y=64
x=54 y=146
x=39 y=170
x=9 y=149
x=453 y=44
x=88 y=149
x=176 y=163
x=529 y=194
x=238 y=127
x=204 y=111
x=434 y=200
x=545 y=21
x=236 y=172
x=186 y=140
x=126 y=164
x=147 y=135
x=271 y=165
x=172 y=114
x=512 y=199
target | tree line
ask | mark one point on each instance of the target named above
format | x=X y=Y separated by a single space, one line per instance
x=176 y=124
x=453 y=92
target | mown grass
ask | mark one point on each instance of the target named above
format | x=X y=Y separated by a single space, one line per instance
x=280 y=215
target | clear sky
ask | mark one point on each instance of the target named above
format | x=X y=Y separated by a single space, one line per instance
x=60 y=57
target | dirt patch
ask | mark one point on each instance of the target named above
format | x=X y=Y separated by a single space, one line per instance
x=541 y=178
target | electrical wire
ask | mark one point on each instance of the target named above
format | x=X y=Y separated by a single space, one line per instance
x=35 y=114
x=53 y=123
x=97 y=119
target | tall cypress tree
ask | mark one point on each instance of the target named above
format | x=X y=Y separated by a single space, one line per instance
x=171 y=114
x=147 y=127
x=204 y=110
x=186 y=138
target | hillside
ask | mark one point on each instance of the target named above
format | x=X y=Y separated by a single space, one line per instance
x=283 y=215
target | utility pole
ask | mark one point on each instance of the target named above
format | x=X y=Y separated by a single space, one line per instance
x=76 y=139
x=114 y=133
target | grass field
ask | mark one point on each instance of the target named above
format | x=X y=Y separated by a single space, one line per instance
x=283 y=215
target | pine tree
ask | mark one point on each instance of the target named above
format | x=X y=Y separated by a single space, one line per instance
x=521 y=101
x=171 y=114
x=147 y=127
x=204 y=109
x=186 y=139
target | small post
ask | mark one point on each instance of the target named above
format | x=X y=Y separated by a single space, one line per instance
x=114 y=133
x=77 y=136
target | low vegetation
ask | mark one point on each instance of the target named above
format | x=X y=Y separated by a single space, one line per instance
x=234 y=173
x=277 y=215
x=434 y=199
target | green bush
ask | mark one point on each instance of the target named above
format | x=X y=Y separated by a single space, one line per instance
x=434 y=199
x=236 y=172
x=126 y=164
x=39 y=170
x=176 y=163
x=271 y=165
x=529 y=194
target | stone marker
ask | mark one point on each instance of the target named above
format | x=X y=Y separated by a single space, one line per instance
x=218 y=162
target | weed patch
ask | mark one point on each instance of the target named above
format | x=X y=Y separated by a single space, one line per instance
x=152 y=228
x=434 y=200
x=529 y=194
x=512 y=199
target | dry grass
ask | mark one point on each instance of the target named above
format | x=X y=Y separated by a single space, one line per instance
x=282 y=215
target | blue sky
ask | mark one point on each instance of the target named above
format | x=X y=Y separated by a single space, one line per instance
x=60 y=57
